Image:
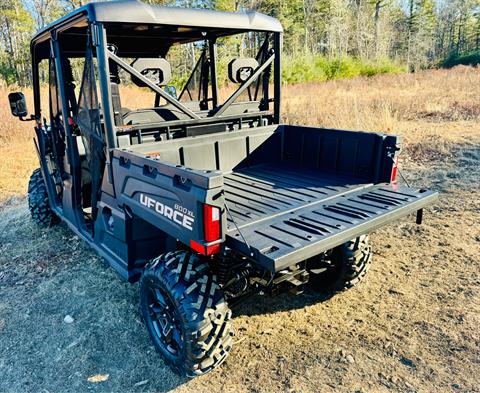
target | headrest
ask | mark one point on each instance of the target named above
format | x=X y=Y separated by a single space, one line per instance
x=156 y=69
x=239 y=70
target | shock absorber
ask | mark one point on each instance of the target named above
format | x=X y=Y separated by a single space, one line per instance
x=222 y=269
x=233 y=273
x=239 y=275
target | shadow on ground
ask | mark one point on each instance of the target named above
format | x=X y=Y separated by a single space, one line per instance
x=410 y=326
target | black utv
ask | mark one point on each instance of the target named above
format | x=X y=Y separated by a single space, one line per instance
x=203 y=196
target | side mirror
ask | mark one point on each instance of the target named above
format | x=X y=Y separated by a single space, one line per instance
x=171 y=91
x=18 y=104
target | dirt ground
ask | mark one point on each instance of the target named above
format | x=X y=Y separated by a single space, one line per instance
x=413 y=325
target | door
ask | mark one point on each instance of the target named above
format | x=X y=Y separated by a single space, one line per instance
x=52 y=136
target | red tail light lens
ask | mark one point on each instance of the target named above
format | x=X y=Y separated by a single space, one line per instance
x=208 y=250
x=393 y=177
x=211 y=223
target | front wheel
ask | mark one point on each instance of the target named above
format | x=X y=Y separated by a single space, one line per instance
x=342 y=267
x=185 y=313
x=38 y=203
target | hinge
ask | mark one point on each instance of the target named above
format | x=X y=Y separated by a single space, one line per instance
x=392 y=150
x=95 y=34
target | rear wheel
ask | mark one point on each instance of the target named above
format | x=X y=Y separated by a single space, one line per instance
x=342 y=267
x=185 y=313
x=38 y=203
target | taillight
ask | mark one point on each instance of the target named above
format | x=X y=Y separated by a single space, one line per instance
x=393 y=177
x=205 y=250
x=211 y=223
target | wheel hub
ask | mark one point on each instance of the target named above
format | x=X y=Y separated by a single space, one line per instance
x=164 y=320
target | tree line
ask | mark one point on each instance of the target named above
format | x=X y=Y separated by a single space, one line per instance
x=415 y=34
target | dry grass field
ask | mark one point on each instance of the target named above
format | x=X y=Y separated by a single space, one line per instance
x=440 y=107
x=412 y=326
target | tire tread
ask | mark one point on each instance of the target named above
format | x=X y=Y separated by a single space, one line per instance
x=38 y=202
x=206 y=316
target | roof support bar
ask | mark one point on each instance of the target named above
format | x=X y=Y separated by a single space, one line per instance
x=278 y=43
x=177 y=104
x=213 y=70
x=244 y=86
x=99 y=38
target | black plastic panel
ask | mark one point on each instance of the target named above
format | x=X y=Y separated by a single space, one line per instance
x=287 y=216
x=265 y=190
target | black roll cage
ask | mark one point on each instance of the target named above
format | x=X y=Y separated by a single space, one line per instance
x=200 y=64
x=177 y=104
x=99 y=32
x=70 y=205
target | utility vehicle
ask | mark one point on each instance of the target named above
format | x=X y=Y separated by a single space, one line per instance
x=201 y=194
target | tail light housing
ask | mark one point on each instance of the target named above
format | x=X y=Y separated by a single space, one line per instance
x=393 y=176
x=211 y=223
x=211 y=231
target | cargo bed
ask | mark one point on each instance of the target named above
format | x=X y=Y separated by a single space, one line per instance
x=288 y=214
x=263 y=191
x=292 y=192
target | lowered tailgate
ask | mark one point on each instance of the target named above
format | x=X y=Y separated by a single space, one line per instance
x=291 y=236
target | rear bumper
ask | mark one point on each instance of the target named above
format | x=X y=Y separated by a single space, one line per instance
x=301 y=233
